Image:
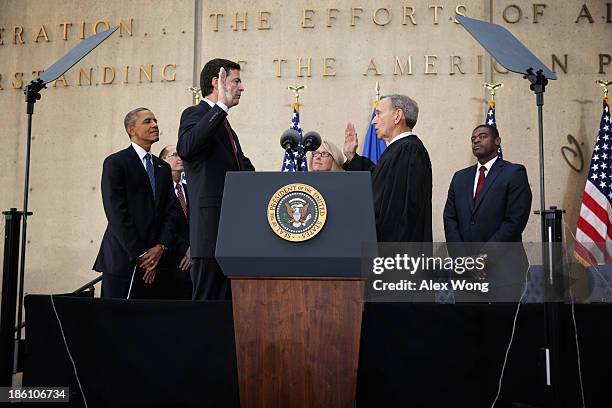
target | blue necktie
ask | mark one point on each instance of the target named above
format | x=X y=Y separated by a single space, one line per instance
x=150 y=172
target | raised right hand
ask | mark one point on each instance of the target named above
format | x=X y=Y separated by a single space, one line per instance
x=350 y=141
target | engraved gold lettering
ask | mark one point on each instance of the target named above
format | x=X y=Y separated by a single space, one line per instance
x=279 y=66
x=105 y=80
x=42 y=33
x=498 y=69
x=402 y=68
x=18 y=33
x=328 y=68
x=460 y=10
x=215 y=17
x=128 y=28
x=83 y=73
x=61 y=78
x=355 y=15
x=95 y=26
x=430 y=64
x=243 y=20
x=385 y=20
x=604 y=60
x=456 y=62
x=435 y=8
x=408 y=14
x=585 y=13
x=538 y=10
x=509 y=17
x=300 y=67
x=17 y=81
x=263 y=21
x=307 y=18
x=562 y=65
x=372 y=67
x=331 y=16
x=172 y=76
x=143 y=70
x=65 y=25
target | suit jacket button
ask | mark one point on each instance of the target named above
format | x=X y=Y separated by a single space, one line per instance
x=472 y=222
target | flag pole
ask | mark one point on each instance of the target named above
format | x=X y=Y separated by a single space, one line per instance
x=604 y=84
x=492 y=87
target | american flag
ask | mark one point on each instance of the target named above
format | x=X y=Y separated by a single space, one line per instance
x=594 y=230
x=288 y=164
x=491 y=121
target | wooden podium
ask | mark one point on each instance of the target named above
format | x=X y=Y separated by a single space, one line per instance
x=297 y=305
x=297 y=341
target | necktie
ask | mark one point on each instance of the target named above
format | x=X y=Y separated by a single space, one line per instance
x=481 y=180
x=150 y=172
x=181 y=197
x=232 y=141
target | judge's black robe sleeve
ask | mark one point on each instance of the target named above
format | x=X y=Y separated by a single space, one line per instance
x=402 y=186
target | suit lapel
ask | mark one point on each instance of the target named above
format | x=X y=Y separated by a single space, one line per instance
x=141 y=172
x=158 y=179
x=489 y=181
x=469 y=187
x=231 y=148
x=222 y=133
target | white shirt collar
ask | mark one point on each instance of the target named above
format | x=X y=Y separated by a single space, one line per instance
x=400 y=136
x=140 y=151
x=487 y=165
x=221 y=105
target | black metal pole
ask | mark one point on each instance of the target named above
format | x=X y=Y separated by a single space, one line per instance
x=9 y=295
x=32 y=95
x=551 y=233
x=553 y=289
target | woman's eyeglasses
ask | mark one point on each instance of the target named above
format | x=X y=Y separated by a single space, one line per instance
x=323 y=155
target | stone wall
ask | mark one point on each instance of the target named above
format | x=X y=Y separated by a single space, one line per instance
x=338 y=50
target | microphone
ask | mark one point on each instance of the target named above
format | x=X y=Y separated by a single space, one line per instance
x=311 y=141
x=289 y=139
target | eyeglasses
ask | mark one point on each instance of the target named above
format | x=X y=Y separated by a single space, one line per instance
x=323 y=155
x=171 y=155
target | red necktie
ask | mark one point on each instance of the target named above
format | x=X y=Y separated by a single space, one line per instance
x=181 y=197
x=481 y=180
x=232 y=141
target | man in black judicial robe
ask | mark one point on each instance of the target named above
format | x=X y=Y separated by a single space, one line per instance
x=401 y=180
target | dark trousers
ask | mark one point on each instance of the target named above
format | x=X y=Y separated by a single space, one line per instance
x=174 y=283
x=117 y=286
x=208 y=280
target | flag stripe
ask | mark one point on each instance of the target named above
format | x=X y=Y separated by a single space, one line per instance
x=594 y=228
x=594 y=213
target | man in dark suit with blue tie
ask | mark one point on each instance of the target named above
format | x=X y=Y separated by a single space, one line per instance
x=489 y=202
x=210 y=148
x=136 y=193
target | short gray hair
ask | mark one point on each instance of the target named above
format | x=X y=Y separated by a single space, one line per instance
x=407 y=105
x=131 y=116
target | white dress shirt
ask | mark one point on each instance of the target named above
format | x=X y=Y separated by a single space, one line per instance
x=221 y=105
x=141 y=153
x=487 y=166
x=398 y=137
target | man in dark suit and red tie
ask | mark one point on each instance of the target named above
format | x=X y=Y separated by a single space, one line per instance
x=136 y=193
x=209 y=148
x=489 y=202
x=175 y=264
